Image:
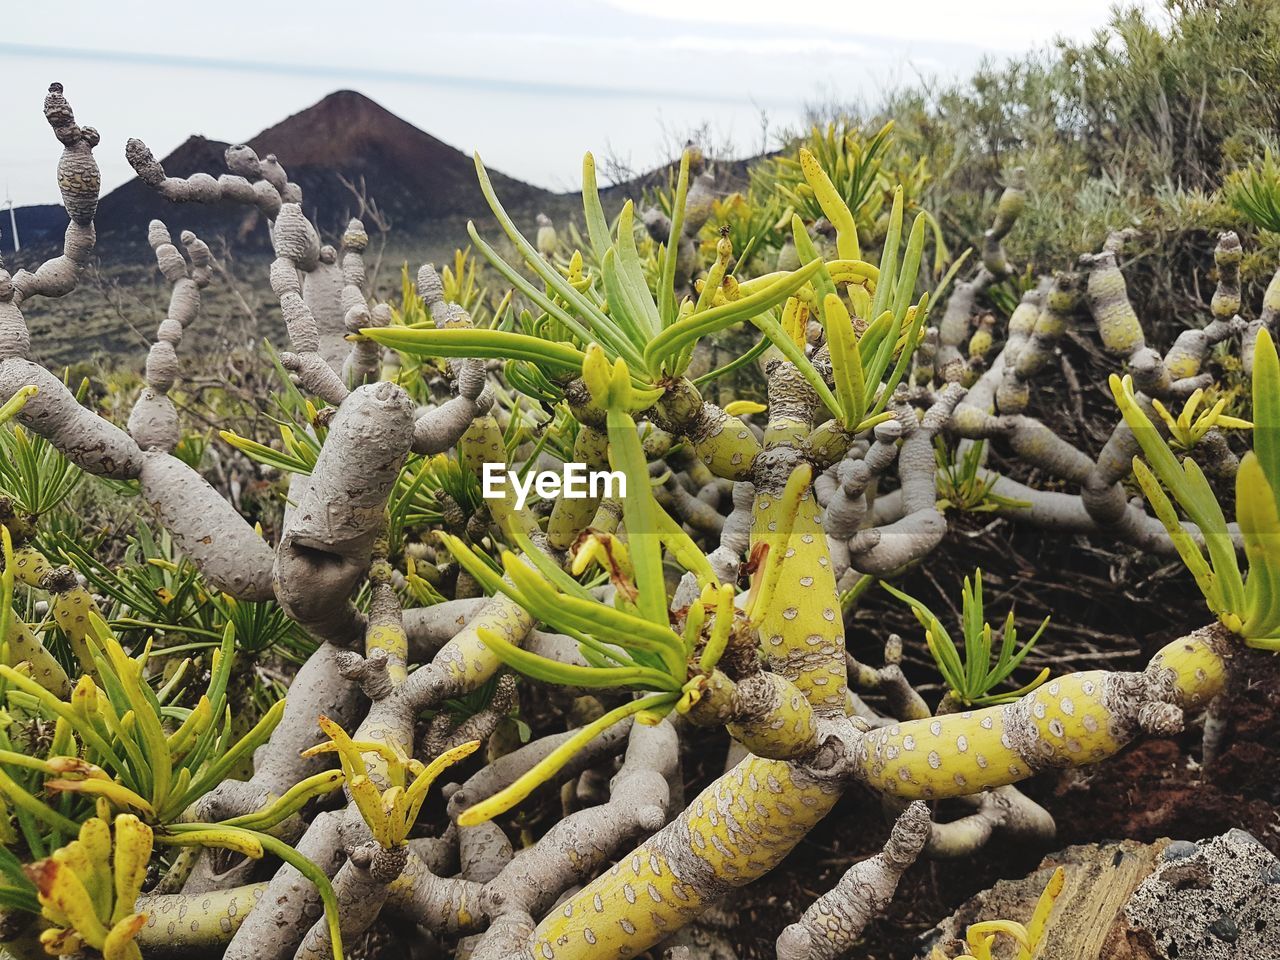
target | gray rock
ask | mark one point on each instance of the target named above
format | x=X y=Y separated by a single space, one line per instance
x=1180 y=850
x=1211 y=901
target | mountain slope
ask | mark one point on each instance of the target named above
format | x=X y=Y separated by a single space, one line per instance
x=423 y=186
x=414 y=179
x=411 y=174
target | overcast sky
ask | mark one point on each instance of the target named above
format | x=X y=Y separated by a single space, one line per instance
x=531 y=85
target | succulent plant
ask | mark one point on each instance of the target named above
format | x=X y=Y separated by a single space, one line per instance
x=710 y=594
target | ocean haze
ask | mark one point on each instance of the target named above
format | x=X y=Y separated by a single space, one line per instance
x=531 y=86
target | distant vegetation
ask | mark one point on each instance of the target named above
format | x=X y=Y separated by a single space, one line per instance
x=1138 y=128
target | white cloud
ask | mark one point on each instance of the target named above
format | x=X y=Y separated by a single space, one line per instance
x=1010 y=25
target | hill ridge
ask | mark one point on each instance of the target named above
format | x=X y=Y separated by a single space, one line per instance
x=415 y=179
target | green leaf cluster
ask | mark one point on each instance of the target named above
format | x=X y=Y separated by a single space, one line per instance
x=1248 y=606
x=970 y=674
